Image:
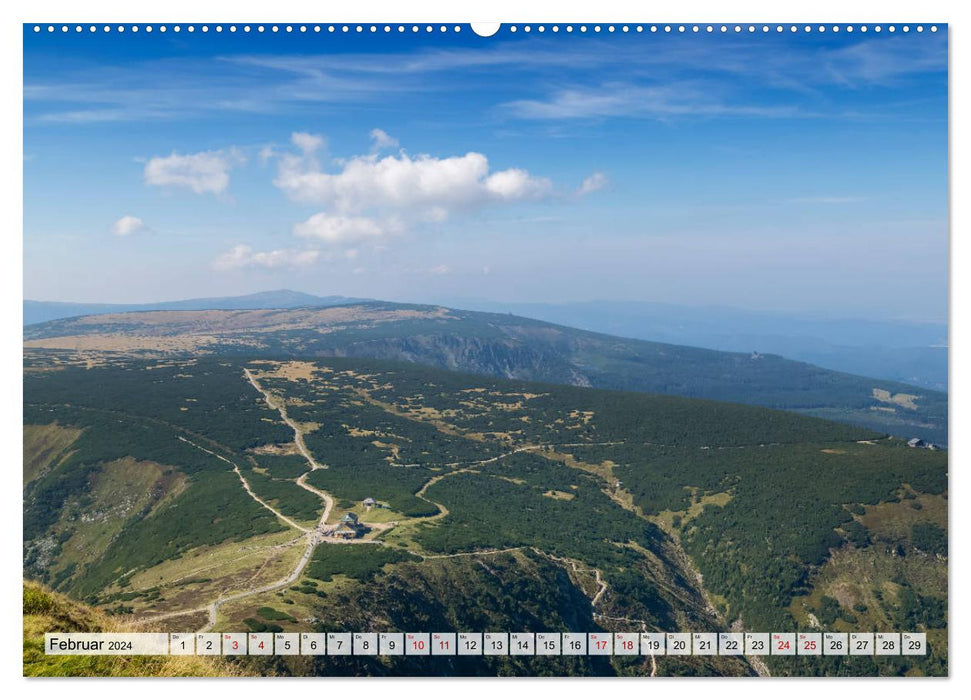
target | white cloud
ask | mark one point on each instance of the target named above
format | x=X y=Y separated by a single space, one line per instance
x=514 y=184
x=596 y=181
x=204 y=172
x=243 y=256
x=423 y=188
x=380 y=140
x=367 y=199
x=127 y=225
x=190 y=87
x=440 y=270
x=629 y=100
x=341 y=229
x=308 y=143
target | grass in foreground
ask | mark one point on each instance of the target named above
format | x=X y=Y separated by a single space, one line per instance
x=46 y=611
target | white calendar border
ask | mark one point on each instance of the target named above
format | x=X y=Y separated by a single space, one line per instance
x=440 y=10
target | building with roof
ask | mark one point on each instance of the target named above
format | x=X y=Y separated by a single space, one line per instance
x=348 y=527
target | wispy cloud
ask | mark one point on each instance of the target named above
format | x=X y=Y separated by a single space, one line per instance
x=547 y=72
x=629 y=100
x=881 y=61
x=186 y=88
x=767 y=58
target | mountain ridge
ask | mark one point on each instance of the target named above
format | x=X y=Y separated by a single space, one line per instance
x=908 y=351
x=36 y=311
x=507 y=346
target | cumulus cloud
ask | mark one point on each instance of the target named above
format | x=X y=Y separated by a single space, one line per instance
x=202 y=173
x=423 y=188
x=515 y=184
x=380 y=140
x=127 y=225
x=366 y=199
x=243 y=256
x=596 y=181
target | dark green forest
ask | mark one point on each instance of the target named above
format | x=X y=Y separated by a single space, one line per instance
x=562 y=479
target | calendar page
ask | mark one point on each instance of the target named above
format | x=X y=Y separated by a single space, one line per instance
x=448 y=349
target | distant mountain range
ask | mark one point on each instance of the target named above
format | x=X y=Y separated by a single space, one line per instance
x=501 y=345
x=41 y=311
x=903 y=351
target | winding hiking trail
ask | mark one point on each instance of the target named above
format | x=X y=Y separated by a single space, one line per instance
x=490 y=460
x=318 y=534
x=213 y=607
x=281 y=408
x=313 y=537
x=602 y=588
x=246 y=485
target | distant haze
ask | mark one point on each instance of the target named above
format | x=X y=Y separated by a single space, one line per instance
x=905 y=351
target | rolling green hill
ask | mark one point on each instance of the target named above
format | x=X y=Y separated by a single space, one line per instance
x=508 y=346
x=156 y=487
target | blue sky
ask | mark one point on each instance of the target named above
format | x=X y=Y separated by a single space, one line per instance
x=795 y=172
